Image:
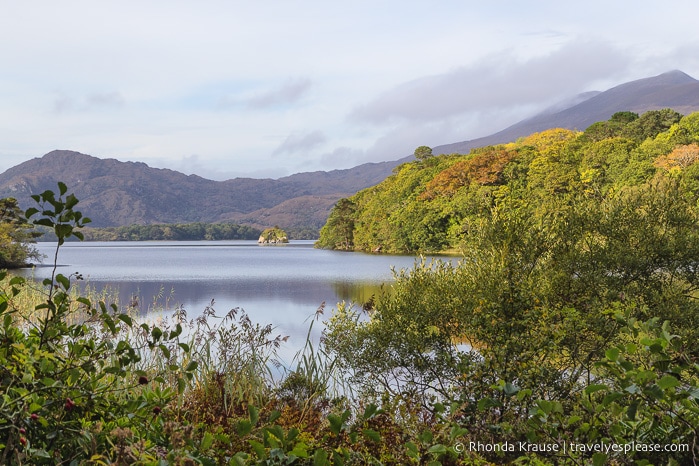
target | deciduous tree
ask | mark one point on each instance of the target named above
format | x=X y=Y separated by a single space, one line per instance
x=16 y=236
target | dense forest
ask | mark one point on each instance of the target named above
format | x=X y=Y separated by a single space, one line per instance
x=198 y=231
x=179 y=231
x=434 y=203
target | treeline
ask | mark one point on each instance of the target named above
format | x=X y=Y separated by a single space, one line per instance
x=432 y=204
x=178 y=232
x=175 y=232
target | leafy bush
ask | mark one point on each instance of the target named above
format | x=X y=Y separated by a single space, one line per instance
x=78 y=391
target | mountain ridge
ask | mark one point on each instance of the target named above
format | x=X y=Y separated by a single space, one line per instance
x=115 y=193
x=674 y=89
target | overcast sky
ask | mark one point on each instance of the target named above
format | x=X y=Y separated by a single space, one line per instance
x=267 y=89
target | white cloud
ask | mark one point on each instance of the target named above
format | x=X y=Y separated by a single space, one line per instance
x=273 y=88
x=94 y=101
x=499 y=82
x=288 y=93
x=296 y=143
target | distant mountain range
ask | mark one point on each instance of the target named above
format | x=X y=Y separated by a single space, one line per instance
x=114 y=193
x=674 y=89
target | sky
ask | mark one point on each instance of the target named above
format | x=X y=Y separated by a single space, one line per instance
x=225 y=88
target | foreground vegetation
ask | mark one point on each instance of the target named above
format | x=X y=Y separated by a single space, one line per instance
x=567 y=333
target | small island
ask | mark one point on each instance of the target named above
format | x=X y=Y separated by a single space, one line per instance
x=273 y=235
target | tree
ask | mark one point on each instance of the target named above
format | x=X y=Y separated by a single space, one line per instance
x=16 y=236
x=651 y=123
x=624 y=117
x=339 y=230
x=423 y=153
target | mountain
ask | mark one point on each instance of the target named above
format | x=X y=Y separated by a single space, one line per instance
x=674 y=89
x=114 y=193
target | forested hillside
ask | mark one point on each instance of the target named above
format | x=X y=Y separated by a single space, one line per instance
x=437 y=202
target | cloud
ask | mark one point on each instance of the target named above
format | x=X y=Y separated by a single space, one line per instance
x=340 y=156
x=94 y=101
x=288 y=93
x=105 y=99
x=497 y=82
x=296 y=143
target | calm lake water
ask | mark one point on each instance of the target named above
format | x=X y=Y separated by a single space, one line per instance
x=282 y=285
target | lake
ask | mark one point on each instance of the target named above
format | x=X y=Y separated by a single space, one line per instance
x=281 y=285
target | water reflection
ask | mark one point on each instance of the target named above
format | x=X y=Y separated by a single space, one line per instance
x=283 y=285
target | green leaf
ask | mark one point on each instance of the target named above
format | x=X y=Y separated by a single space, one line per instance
x=207 y=441
x=320 y=458
x=243 y=428
x=63 y=230
x=457 y=431
x=612 y=354
x=632 y=409
x=371 y=434
x=668 y=381
x=599 y=459
x=63 y=280
x=300 y=450
x=370 y=411
x=273 y=416
x=254 y=414
x=126 y=319
x=48 y=381
x=181 y=385
x=156 y=333
x=84 y=300
x=487 y=403
x=259 y=449
x=655 y=392
x=595 y=388
x=510 y=389
x=438 y=449
x=338 y=460
x=426 y=436
x=165 y=350
x=13 y=280
x=335 y=423
x=412 y=450
x=239 y=459
x=610 y=398
x=71 y=201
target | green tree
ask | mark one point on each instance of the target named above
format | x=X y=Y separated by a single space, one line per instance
x=533 y=296
x=650 y=124
x=16 y=236
x=423 y=153
x=338 y=232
